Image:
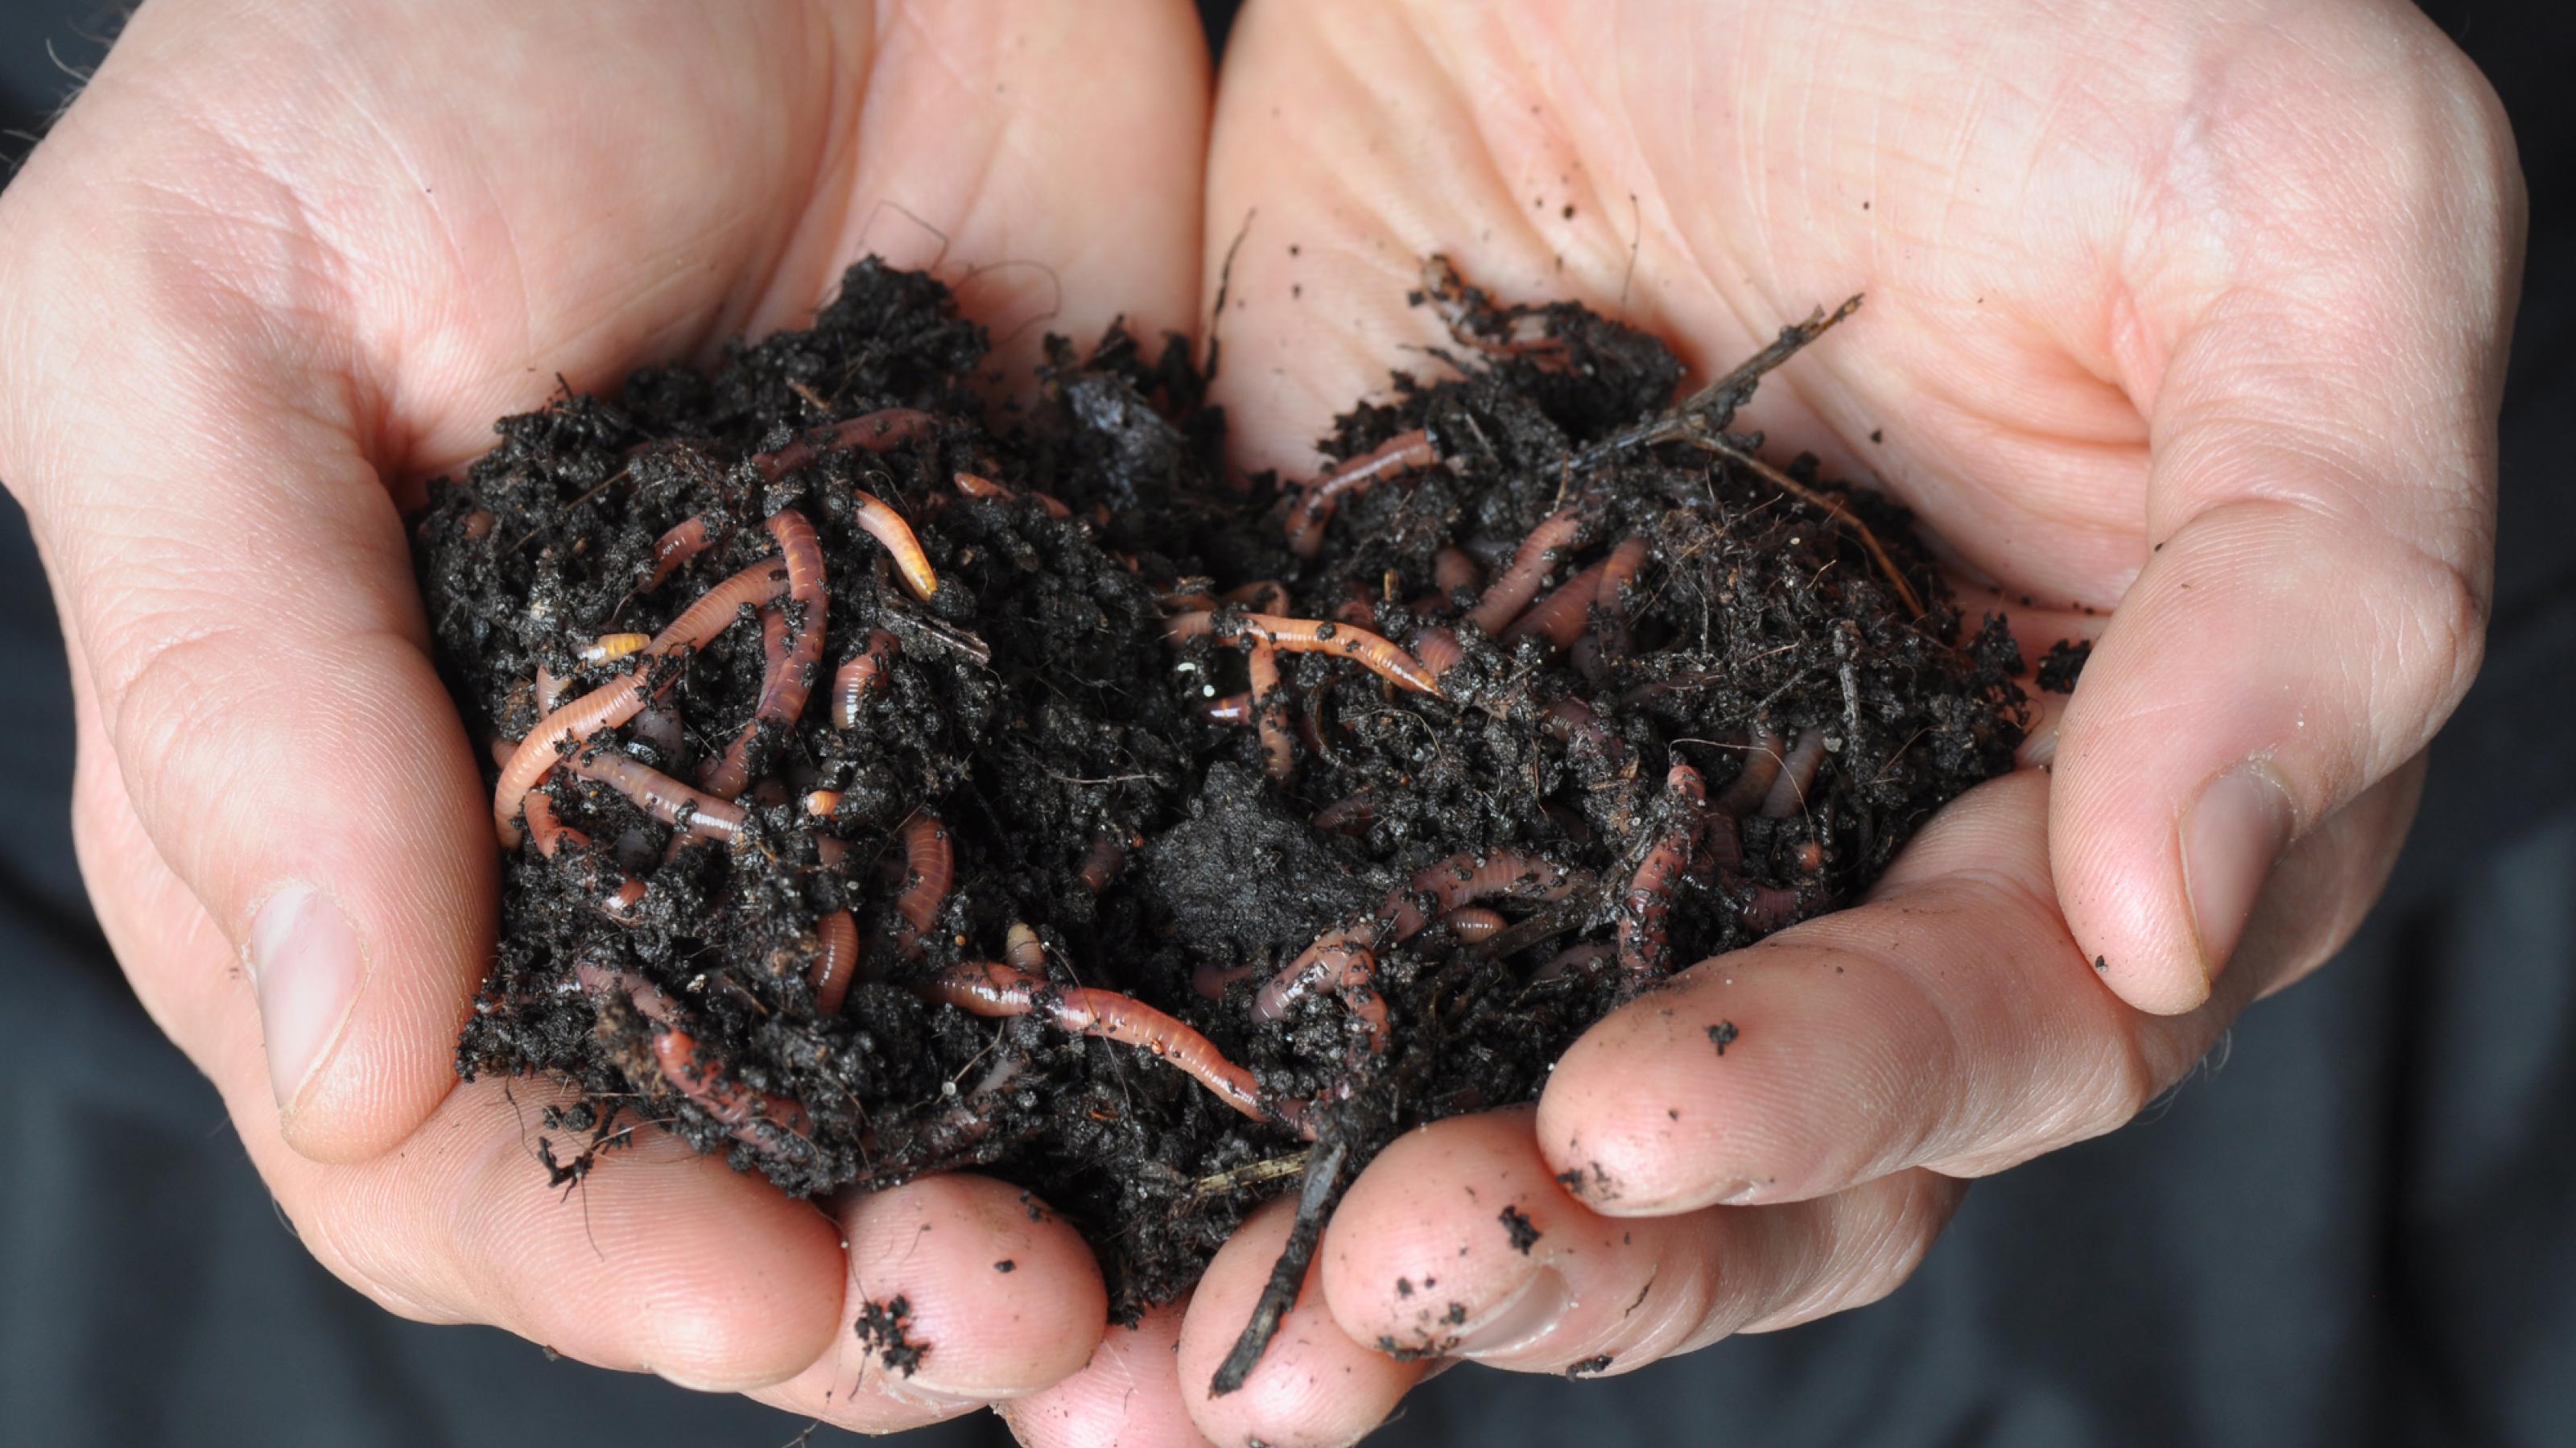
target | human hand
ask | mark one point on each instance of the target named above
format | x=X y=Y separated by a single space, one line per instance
x=2186 y=321
x=280 y=263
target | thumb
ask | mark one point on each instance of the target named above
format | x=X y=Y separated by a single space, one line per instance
x=236 y=588
x=2321 y=504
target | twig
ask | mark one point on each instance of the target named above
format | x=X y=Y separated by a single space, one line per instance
x=1831 y=507
x=1323 y=1180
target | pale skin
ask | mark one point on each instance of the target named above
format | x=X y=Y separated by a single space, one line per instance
x=2194 y=318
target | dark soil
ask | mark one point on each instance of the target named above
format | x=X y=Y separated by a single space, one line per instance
x=1034 y=707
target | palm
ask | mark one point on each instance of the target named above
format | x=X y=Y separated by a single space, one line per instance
x=582 y=199
x=2062 y=253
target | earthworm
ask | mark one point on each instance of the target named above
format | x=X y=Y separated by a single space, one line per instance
x=478 y=524
x=929 y=865
x=683 y=541
x=605 y=707
x=1403 y=453
x=865 y=672
x=1438 y=649
x=1474 y=923
x=1506 y=596
x=1355 y=808
x=836 y=962
x=878 y=432
x=1573 y=719
x=1101 y=864
x=659 y=729
x=691 y=811
x=1618 y=571
x=1278 y=756
x=887 y=526
x=609 y=647
x=1452 y=569
x=1771 y=907
x=990 y=988
x=1356 y=608
x=1342 y=960
x=822 y=804
x=733 y=1105
x=1753 y=780
x=716 y=609
x=1643 y=937
x=549 y=690
x=1022 y=948
x=1789 y=792
x=1451 y=883
x=975 y=485
x=789 y=676
x=1306 y=635
x=1559 y=618
x=1586 y=957
x=1210 y=979
x=551 y=834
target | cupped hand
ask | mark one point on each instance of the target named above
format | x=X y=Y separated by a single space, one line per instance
x=2184 y=331
x=281 y=262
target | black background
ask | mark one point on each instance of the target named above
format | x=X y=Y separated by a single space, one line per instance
x=2358 y=1225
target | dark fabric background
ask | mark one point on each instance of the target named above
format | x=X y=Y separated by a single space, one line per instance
x=2357 y=1226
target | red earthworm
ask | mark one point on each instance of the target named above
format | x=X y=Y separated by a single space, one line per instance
x=605 y=707
x=1506 y=596
x=835 y=962
x=1761 y=766
x=822 y=804
x=1572 y=719
x=887 y=526
x=1101 y=864
x=975 y=485
x=990 y=988
x=1618 y=572
x=549 y=690
x=551 y=835
x=1453 y=569
x=659 y=728
x=1022 y=948
x=1458 y=880
x=929 y=866
x=478 y=524
x=1403 y=453
x=1438 y=649
x=1771 y=907
x=1228 y=709
x=1342 y=960
x=684 y=540
x=691 y=811
x=1789 y=792
x=1210 y=979
x=878 y=432
x=1643 y=937
x=1722 y=843
x=733 y=1105
x=1586 y=957
x=1357 y=609
x=1278 y=756
x=607 y=648
x=864 y=673
x=1474 y=923
x=793 y=652
x=1559 y=618
x=1306 y=635
x=716 y=609
x=1355 y=808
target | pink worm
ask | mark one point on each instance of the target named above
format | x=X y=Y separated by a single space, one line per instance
x=990 y=988
x=887 y=526
x=1456 y=881
x=1101 y=864
x=1230 y=709
x=1306 y=635
x=976 y=486
x=1474 y=923
x=1278 y=754
x=659 y=795
x=1559 y=618
x=1508 y=595
x=1405 y=452
x=1643 y=937
x=789 y=677
x=1753 y=780
x=552 y=835
x=1452 y=569
x=1789 y=792
x=686 y=540
x=1438 y=649
x=862 y=675
x=740 y=1109
x=836 y=962
x=931 y=866
x=880 y=431
x=1572 y=718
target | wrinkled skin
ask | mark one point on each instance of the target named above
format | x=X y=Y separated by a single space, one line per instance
x=2195 y=319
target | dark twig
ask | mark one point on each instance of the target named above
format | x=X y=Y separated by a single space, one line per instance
x=1323 y=1183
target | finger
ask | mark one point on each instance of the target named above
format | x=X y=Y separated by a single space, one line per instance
x=654 y=1260
x=1128 y=1396
x=2320 y=500
x=1458 y=1240
x=1314 y=1386
x=963 y=1292
x=1948 y=1021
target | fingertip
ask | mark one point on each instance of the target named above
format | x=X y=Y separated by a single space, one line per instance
x=1313 y=1386
x=1129 y=1394
x=998 y=1296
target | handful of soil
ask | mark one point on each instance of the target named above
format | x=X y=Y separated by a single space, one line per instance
x=890 y=784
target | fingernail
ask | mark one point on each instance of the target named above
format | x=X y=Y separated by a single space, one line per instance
x=2231 y=837
x=304 y=963
x=1522 y=1319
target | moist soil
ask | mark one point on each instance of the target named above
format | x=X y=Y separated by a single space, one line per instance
x=1074 y=756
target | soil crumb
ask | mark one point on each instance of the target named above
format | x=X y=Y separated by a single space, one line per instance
x=890 y=783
